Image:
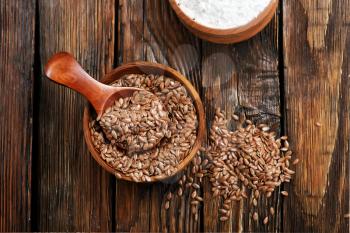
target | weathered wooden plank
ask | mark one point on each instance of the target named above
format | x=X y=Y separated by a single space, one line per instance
x=317 y=73
x=243 y=78
x=74 y=193
x=17 y=20
x=179 y=49
x=132 y=200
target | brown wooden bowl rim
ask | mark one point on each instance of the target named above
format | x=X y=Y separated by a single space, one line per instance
x=162 y=69
x=268 y=12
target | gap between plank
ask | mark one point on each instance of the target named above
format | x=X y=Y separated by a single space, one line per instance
x=35 y=204
x=113 y=181
x=282 y=91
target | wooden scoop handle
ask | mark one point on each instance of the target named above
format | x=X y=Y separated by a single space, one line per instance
x=64 y=69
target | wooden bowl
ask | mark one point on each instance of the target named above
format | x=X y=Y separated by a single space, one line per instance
x=231 y=35
x=148 y=68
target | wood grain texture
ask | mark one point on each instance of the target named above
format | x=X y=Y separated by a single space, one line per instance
x=17 y=19
x=243 y=78
x=74 y=193
x=316 y=54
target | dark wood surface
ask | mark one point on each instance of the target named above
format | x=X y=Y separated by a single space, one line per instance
x=17 y=19
x=317 y=88
x=73 y=193
x=293 y=75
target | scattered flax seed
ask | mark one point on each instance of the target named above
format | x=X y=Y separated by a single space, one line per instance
x=249 y=158
x=266 y=220
x=118 y=175
x=255 y=216
x=179 y=192
x=223 y=211
x=296 y=161
x=256 y=194
x=265 y=129
x=249 y=122
x=284 y=193
x=272 y=211
x=169 y=196
x=318 y=124
x=167 y=205
x=194 y=194
x=196 y=186
x=347 y=215
x=235 y=117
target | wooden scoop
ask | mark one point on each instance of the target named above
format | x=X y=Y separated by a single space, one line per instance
x=64 y=69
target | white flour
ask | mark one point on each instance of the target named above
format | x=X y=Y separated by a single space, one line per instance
x=223 y=14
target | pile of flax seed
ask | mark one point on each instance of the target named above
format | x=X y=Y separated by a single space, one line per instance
x=250 y=158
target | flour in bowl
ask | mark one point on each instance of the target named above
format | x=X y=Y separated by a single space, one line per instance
x=223 y=14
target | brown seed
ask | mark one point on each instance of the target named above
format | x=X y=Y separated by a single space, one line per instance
x=223 y=218
x=318 y=124
x=255 y=202
x=196 y=217
x=169 y=196
x=196 y=186
x=347 y=215
x=272 y=211
x=216 y=193
x=265 y=129
x=248 y=158
x=286 y=144
x=179 y=192
x=255 y=216
x=284 y=193
x=167 y=205
x=296 y=161
x=266 y=220
x=118 y=175
x=184 y=178
x=235 y=117
x=256 y=193
x=223 y=211
x=194 y=194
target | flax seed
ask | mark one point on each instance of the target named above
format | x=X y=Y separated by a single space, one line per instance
x=266 y=220
x=284 y=193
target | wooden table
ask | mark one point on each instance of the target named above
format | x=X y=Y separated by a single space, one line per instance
x=292 y=75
